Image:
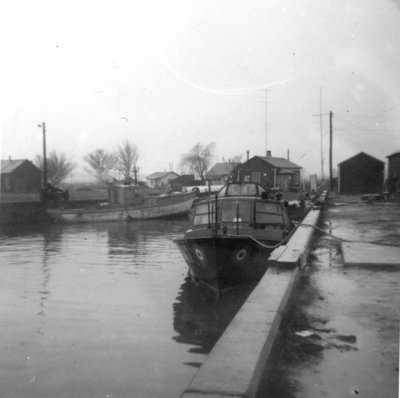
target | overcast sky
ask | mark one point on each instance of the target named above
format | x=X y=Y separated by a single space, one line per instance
x=168 y=74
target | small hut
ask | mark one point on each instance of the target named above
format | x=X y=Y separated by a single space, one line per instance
x=19 y=176
x=361 y=174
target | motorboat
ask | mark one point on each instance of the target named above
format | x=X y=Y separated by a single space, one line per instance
x=126 y=203
x=232 y=234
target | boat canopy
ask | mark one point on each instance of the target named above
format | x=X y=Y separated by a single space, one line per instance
x=243 y=210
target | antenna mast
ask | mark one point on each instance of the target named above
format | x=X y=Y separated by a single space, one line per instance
x=320 y=114
x=266 y=120
x=320 y=126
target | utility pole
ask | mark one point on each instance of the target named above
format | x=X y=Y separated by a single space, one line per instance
x=43 y=126
x=320 y=114
x=322 y=158
x=330 y=150
x=330 y=114
x=320 y=128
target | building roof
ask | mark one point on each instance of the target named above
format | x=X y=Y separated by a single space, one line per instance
x=220 y=170
x=280 y=163
x=361 y=154
x=160 y=174
x=8 y=166
x=394 y=153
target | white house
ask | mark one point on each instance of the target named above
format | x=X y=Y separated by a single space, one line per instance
x=161 y=179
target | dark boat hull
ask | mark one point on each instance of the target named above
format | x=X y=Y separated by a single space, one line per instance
x=224 y=261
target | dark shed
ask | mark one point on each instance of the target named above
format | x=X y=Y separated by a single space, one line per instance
x=393 y=181
x=361 y=174
x=19 y=176
x=182 y=181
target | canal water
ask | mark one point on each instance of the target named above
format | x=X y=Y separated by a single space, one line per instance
x=104 y=310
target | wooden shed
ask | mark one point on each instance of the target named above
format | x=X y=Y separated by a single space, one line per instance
x=361 y=174
x=19 y=176
x=272 y=172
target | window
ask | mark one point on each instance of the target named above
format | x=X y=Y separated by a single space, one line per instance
x=268 y=213
x=236 y=211
x=241 y=190
x=202 y=216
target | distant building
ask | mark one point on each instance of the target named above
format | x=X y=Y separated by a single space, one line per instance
x=161 y=179
x=270 y=172
x=184 y=180
x=220 y=172
x=393 y=181
x=19 y=176
x=361 y=174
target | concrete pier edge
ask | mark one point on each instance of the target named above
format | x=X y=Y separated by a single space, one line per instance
x=243 y=354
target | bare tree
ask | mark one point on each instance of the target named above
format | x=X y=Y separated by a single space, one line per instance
x=58 y=166
x=198 y=159
x=234 y=159
x=127 y=157
x=101 y=163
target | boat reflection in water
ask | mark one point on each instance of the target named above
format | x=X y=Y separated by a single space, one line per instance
x=200 y=319
x=233 y=234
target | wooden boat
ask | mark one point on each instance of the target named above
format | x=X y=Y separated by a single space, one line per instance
x=126 y=203
x=233 y=234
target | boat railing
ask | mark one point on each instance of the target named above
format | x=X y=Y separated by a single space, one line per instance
x=258 y=214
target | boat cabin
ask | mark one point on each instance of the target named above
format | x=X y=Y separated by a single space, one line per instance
x=241 y=206
x=234 y=210
x=124 y=195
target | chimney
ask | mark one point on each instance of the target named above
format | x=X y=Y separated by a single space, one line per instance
x=248 y=154
x=288 y=157
x=269 y=154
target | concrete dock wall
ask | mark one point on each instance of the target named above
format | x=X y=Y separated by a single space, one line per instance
x=241 y=356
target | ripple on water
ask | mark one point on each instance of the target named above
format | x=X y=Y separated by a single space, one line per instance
x=106 y=306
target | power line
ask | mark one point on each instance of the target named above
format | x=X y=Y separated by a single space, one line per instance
x=370 y=130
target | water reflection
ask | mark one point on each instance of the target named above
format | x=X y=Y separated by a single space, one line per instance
x=52 y=237
x=91 y=306
x=107 y=307
x=200 y=318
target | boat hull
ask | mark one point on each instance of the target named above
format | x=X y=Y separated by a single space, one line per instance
x=152 y=207
x=224 y=261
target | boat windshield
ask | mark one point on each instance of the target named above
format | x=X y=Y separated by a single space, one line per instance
x=202 y=216
x=268 y=213
x=236 y=211
x=241 y=189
